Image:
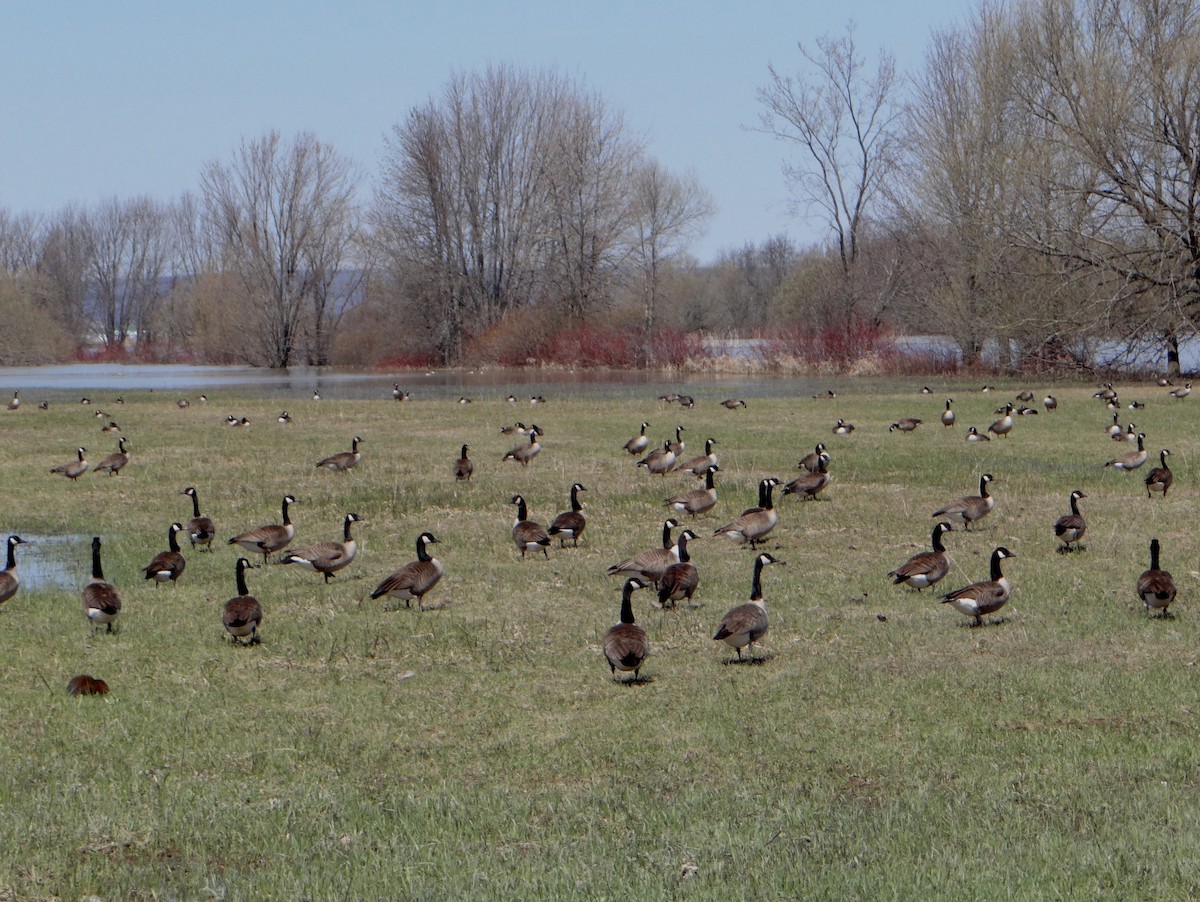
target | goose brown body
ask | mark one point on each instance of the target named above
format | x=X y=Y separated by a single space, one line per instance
x=1130 y=460
x=970 y=508
x=699 y=465
x=115 y=462
x=9 y=579
x=1160 y=478
x=526 y=533
x=74 y=469
x=639 y=442
x=416 y=579
x=242 y=614
x=626 y=646
x=756 y=522
x=1156 y=587
x=167 y=566
x=659 y=461
x=101 y=602
x=570 y=524
x=1070 y=528
x=651 y=564
x=747 y=623
x=681 y=579
x=523 y=454
x=809 y=461
x=463 y=468
x=200 y=529
x=327 y=558
x=810 y=485
x=346 y=460
x=268 y=539
x=926 y=568
x=986 y=597
x=697 y=501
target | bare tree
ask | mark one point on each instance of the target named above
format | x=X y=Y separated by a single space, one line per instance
x=19 y=241
x=129 y=259
x=65 y=259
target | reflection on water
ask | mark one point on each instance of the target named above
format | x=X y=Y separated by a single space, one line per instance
x=52 y=562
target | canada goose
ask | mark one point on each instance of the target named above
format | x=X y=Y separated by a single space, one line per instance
x=747 y=623
x=75 y=468
x=1114 y=429
x=678 y=445
x=44 y=405
x=1181 y=393
x=697 y=501
x=415 y=579
x=463 y=468
x=242 y=423
x=755 y=522
x=526 y=533
x=625 y=644
x=231 y=420
x=1136 y=405
x=926 y=390
x=346 y=460
x=183 y=403
x=1025 y=396
x=9 y=582
x=970 y=508
x=843 y=428
x=1050 y=402
x=327 y=558
x=86 y=685
x=682 y=578
x=200 y=529
x=810 y=485
x=809 y=461
x=733 y=403
x=397 y=391
x=1024 y=411
x=85 y=400
x=698 y=466
x=987 y=388
x=974 y=435
x=203 y=399
x=242 y=614
x=101 y=603
x=525 y=453
x=514 y=429
x=948 y=413
x=1070 y=527
x=1004 y=425
x=1130 y=460
x=284 y=419
x=512 y=399
x=464 y=400
x=167 y=566
x=651 y=564
x=110 y=427
x=1106 y=392
x=115 y=462
x=1128 y=435
x=926 y=568
x=659 y=461
x=669 y=398
x=687 y=402
x=16 y=400
x=266 y=540
x=639 y=442
x=1113 y=403
x=1164 y=382
x=316 y=395
x=534 y=400
x=570 y=524
x=1156 y=587
x=1161 y=477
x=986 y=597
x=905 y=424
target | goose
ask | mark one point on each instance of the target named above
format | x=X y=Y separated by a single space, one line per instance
x=16 y=400
x=678 y=445
x=1129 y=435
x=115 y=462
x=463 y=399
x=747 y=623
x=755 y=522
x=200 y=529
x=512 y=399
x=84 y=684
x=266 y=540
x=463 y=468
x=1050 y=403
x=659 y=461
x=231 y=420
x=515 y=429
x=101 y=603
x=327 y=558
x=680 y=579
x=650 y=565
x=415 y=579
x=1136 y=405
x=9 y=581
x=1004 y=425
x=1130 y=460
x=926 y=568
x=242 y=614
x=986 y=597
x=987 y=388
x=926 y=390
x=669 y=398
x=203 y=399
x=75 y=468
x=1161 y=477
x=905 y=424
x=687 y=402
x=44 y=405
x=346 y=460
x=970 y=508
x=397 y=392
x=974 y=435
x=183 y=403
x=698 y=466
x=316 y=395
x=1070 y=527
x=243 y=423
x=570 y=524
x=1114 y=429
x=1181 y=393
x=697 y=501
x=1024 y=411
x=948 y=413
x=1156 y=587
x=810 y=485
x=625 y=644
x=525 y=453
x=1025 y=396
x=85 y=400
x=167 y=566
x=110 y=427
x=809 y=461
x=843 y=428
x=1106 y=392
x=534 y=400
x=1113 y=403
x=1164 y=382
x=526 y=533
x=733 y=403
x=284 y=419
x=639 y=442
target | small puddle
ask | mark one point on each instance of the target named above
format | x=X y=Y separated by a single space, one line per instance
x=52 y=562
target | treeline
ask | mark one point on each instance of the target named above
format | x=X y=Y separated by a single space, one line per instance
x=1034 y=185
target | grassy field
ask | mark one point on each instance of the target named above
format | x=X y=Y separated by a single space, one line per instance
x=879 y=746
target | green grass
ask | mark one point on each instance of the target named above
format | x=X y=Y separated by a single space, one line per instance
x=480 y=749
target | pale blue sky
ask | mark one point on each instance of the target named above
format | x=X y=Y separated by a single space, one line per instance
x=117 y=98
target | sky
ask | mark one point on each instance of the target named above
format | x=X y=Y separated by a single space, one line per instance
x=121 y=99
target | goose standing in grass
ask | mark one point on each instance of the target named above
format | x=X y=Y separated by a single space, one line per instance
x=679 y=444
x=1114 y=429
x=416 y=579
x=463 y=468
x=397 y=391
x=905 y=424
x=1004 y=425
x=316 y=395
x=651 y=564
x=75 y=468
x=1050 y=403
x=659 y=461
x=639 y=442
x=266 y=540
x=115 y=462
x=1161 y=477
x=1156 y=587
x=327 y=558
x=15 y=403
x=974 y=435
x=523 y=454
x=1069 y=528
x=733 y=403
x=948 y=413
x=101 y=603
x=168 y=565
x=970 y=508
x=242 y=614
x=982 y=598
x=526 y=533
x=200 y=529
x=570 y=524
x=809 y=461
x=810 y=485
x=755 y=522
x=699 y=465
x=926 y=568
x=9 y=581
x=841 y=427
x=1130 y=460
x=747 y=623
x=625 y=644
x=681 y=579
x=697 y=501
x=1181 y=393
x=346 y=460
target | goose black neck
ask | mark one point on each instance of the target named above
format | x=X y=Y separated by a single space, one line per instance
x=422 y=548
x=97 y=571
x=937 y=539
x=983 y=487
x=354 y=444
x=1154 y=554
x=1140 y=440
x=347 y=523
x=708 y=478
x=575 y=505
x=996 y=574
x=195 y=504
x=667 y=543
x=756 y=583
x=172 y=543
x=241 y=578
x=1075 y=505
x=627 y=603
x=522 y=510
x=286 y=518
x=12 y=555
x=464 y=452
x=764 y=495
x=684 y=557
x=1162 y=460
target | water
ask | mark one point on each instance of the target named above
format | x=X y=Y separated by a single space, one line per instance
x=53 y=562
